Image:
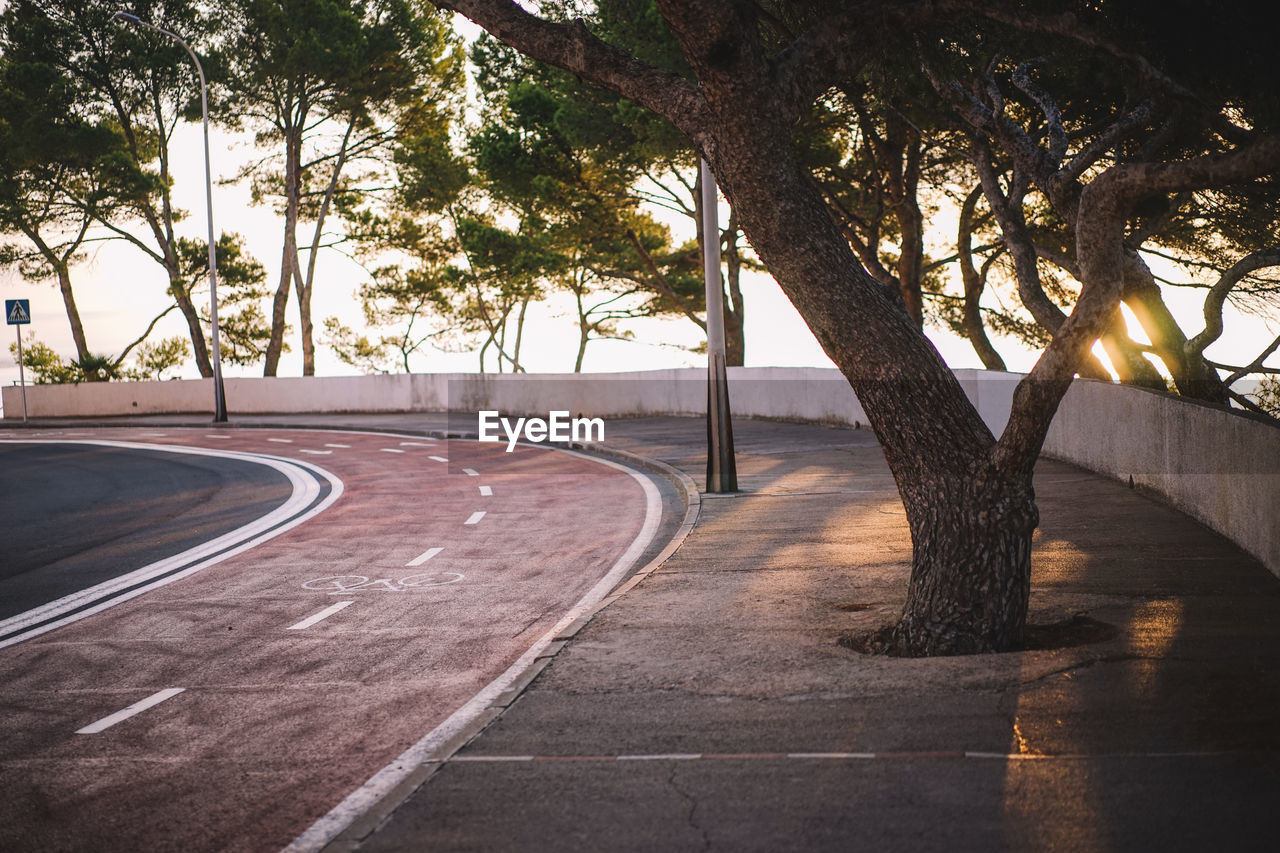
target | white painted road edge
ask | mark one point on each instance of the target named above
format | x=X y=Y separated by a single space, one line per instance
x=306 y=487
x=385 y=780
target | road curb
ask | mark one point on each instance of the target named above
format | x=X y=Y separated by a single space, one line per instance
x=362 y=827
x=350 y=838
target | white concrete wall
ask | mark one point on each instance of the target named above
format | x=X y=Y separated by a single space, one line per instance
x=1220 y=468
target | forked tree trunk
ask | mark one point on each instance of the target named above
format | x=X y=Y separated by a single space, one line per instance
x=971 y=565
x=971 y=523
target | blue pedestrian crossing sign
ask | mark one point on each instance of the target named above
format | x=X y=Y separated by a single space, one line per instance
x=17 y=312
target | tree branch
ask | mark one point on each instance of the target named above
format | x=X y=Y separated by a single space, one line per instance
x=1218 y=294
x=571 y=46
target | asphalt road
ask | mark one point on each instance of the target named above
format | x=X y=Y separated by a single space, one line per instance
x=241 y=707
x=75 y=515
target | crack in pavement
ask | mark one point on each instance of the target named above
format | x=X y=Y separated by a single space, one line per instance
x=693 y=806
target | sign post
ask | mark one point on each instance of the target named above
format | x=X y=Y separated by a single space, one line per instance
x=17 y=312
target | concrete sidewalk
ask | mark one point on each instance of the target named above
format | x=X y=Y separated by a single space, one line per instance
x=713 y=707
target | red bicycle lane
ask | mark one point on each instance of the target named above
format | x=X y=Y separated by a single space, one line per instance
x=310 y=662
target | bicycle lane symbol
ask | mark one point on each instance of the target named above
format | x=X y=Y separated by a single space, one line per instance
x=343 y=584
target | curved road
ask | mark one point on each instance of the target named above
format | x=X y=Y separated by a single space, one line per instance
x=76 y=515
x=235 y=709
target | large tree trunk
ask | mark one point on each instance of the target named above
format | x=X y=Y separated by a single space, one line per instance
x=275 y=344
x=981 y=520
x=1192 y=376
x=305 y=326
x=971 y=523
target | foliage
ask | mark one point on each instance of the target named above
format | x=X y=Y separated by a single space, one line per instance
x=152 y=360
x=135 y=84
x=44 y=365
x=1267 y=395
x=323 y=84
x=242 y=327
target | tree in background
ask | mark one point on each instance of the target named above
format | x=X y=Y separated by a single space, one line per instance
x=46 y=366
x=320 y=82
x=559 y=162
x=56 y=178
x=152 y=360
x=406 y=240
x=142 y=85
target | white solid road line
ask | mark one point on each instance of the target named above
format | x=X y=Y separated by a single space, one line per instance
x=471 y=472
x=487 y=491
x=135 y=708
x=359 y=801
x=438 y=458
x=305 y=480
x=321 y=616
x=475 y=517
x=424 y=556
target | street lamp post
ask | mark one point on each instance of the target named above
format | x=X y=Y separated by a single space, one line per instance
x=219 y=395
x=722 y=470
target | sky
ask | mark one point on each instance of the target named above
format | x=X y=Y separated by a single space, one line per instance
x=118 y=292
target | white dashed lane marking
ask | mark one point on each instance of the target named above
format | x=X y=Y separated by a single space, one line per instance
x=475 y=517
x=136 y=708
x=424 y=556
x=438 y=458
x=343 y=446
x=321 y=616
x=471 y=472
x=317 y=452
x=391 y=450
x=417 y=444
x=487 y=491
x=223 y=437
x=281 y=440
